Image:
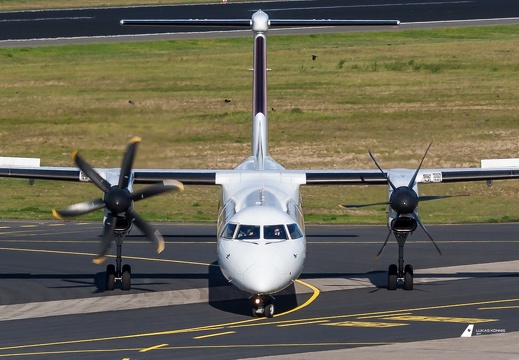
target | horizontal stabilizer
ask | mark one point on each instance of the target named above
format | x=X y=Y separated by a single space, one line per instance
x=332 y=22
x=247 y=23
x=190 y=22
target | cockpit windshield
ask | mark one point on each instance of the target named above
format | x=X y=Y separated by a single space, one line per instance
x=229 y=230
x=294 y=231
x=248 y=232
x=275 y=232
x=254 y=232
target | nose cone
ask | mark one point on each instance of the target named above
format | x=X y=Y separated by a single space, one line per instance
x=118 y=200
x=404 y=200
x=263 y=280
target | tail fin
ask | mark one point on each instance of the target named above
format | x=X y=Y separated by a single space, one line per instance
x=259 y=140
x=259 y=149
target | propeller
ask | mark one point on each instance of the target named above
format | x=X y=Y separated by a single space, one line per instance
x=404 y=201
x=118 y=200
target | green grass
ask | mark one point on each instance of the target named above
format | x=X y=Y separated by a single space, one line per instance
x=392 y=92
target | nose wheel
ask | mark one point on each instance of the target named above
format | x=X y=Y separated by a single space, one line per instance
x=396 y=274
x=124 y=275
x=116 y=273
x=262 y=306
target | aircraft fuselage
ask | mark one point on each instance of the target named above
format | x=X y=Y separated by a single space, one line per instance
x=261 y=240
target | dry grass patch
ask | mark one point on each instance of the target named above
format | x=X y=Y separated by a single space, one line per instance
x=391 y=92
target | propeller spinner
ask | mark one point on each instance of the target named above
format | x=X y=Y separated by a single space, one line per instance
x=118 y=200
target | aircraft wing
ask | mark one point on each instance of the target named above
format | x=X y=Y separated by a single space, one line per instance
x=141 y=176
x=334 y=177
x=41 y=172
x=185 y=176
x=313 y=177
x=375 y=177
x=466 y=174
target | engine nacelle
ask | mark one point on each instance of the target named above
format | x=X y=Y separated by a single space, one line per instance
x=122 y=225
x=404 y=224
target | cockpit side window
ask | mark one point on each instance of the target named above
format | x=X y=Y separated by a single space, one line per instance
x=248 y=232
x=295 y=232
x=228 y=231
x=275 y=232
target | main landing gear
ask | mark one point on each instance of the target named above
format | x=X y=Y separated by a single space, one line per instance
x=400 y=273
x=262 y=306
x=116 y=272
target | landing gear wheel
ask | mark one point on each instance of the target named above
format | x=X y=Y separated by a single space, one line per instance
x=392 y=277
x=262 y=306
x=269 y=310
x=126 y=278
x=408 y=277
x=110 y=277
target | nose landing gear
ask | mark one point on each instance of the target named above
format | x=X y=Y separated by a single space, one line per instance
x=262 y=306
x=118 y=272
x=396 y=273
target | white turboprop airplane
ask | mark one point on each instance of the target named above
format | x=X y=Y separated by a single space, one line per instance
x=261 y=242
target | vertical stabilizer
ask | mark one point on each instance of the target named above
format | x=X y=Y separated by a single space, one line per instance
x=260 y=24
x=259 y=140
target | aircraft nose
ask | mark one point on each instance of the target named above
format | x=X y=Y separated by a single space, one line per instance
x=263 y=280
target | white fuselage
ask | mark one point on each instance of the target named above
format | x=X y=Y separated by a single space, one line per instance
x=261 y=201
x=261 y=241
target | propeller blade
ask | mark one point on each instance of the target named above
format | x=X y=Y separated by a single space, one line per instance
x=433 y=197
x=385 y=243
x=153 y=235
x=411 y=183
x=79 y=209
x=382 y=171
x=165 y=186
x=106 y=240
x=91 y=173
x=363 y=205
x=417 y=218
x=127 y=163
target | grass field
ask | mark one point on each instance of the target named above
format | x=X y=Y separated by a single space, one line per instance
x=392 y=92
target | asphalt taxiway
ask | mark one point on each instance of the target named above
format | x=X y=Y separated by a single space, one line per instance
x=53 y=302
x=71 y=26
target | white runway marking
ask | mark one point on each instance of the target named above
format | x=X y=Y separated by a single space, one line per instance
x=368 y=6
x=111 y=303
x=48 y=19
x=422 y=276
